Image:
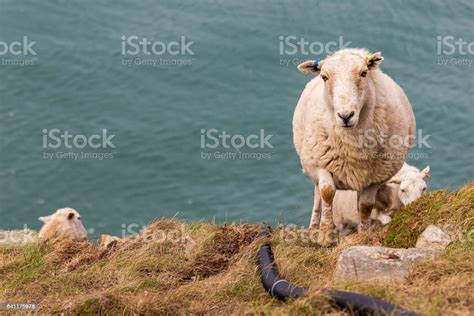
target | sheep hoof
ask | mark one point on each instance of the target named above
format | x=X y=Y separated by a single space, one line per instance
x=363 y=227
x=327 y=236
x=375 y=225
x=313 y=226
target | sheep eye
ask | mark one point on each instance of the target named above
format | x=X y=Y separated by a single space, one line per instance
x=403 y=190
x=363 y=73
x=324 y=77
x=424 y=189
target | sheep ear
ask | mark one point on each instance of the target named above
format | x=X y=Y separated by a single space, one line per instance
x=374 y=60
x=395 y=180
x=45 y=219
x=426 y=172
x=70 y=216
x=310 y=66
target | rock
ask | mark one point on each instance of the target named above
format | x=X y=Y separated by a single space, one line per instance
x=434 y=238
x=107 y=240
x=365 y=263
x=12 y=238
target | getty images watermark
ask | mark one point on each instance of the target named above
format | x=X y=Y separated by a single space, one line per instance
x=454 y=51
x=370 y=140
x=216 y=144
x=141 y=51
x=294 y=50
x=19 y=52
x=61 y=144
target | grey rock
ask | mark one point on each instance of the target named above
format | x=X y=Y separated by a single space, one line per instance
x=364 y=263
x=434 y=238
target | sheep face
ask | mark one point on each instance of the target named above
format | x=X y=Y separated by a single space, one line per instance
x=346 y=79
x=412 y=186
x=346 y=75
x=65 y=223
x=411 y=190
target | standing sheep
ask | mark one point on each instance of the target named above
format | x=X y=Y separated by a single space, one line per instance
x=405 y=187
x=64 y=223
x=352 y=129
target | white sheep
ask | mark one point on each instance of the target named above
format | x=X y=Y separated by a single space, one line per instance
x=64 y=223
x=405 y=187
x=352 y=128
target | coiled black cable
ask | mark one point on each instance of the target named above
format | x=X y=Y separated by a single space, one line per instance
x=282 y=289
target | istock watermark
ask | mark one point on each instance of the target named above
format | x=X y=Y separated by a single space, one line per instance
x=371 y=143
x=168 y=238
x=454 y=51
x=251 y=146
x=295 y=50
x=178 y=234
x=75 y=143
x=18 y=52
x=141 y=51
x=24 y=236
x=371 y=138
x=292 y=233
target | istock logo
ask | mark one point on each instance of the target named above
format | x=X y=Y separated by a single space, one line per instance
x=299 y=46
x=145 y=51
x=212 y=138
x=58 y=139
x=134 y=45
x=457 y=50
x=449 y=45
x=18 y=53
x=16 y=48
x=243 y=145
x=55 y=138
x=292 y=45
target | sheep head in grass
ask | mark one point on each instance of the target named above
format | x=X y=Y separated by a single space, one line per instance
x=64 y=223
x=412 y=185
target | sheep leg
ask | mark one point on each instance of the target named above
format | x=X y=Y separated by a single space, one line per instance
x=327 y=190
x=365 y=204
x=316 y=214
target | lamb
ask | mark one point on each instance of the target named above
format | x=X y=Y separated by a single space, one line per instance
x=352 y=129
x=405 y=187
x=64 y=223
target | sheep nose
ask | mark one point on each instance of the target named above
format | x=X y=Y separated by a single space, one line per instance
x=345 y=116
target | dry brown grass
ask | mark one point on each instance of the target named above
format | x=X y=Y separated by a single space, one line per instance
x=208 y=269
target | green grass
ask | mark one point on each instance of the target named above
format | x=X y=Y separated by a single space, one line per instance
x=445 y=209
x=28 y=268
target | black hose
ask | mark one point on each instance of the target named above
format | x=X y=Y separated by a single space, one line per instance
x=365 y=305
x=282 y=289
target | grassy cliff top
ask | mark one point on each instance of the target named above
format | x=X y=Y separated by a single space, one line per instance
x=175 y=267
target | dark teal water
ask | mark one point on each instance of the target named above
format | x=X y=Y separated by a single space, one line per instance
x=235 y=82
